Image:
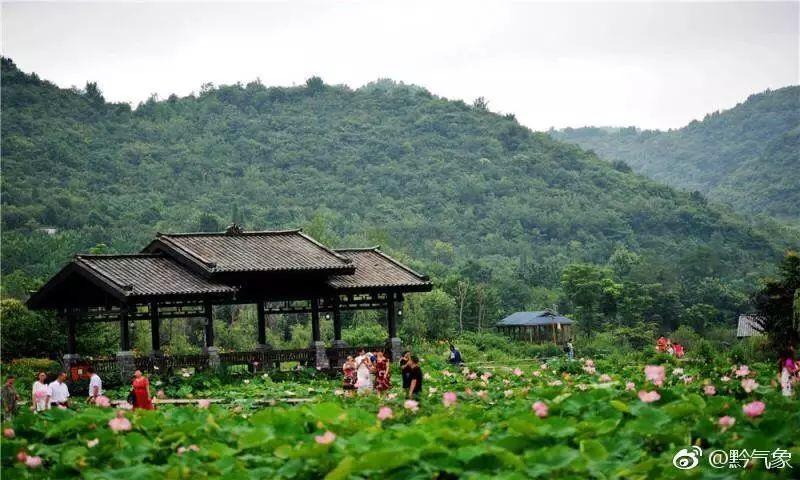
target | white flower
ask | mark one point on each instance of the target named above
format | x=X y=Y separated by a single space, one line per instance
x=246 y=381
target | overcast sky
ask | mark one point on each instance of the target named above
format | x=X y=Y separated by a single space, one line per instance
x=653 y=65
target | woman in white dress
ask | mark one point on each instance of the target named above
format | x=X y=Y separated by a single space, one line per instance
x=40 y=393
x=363 y=370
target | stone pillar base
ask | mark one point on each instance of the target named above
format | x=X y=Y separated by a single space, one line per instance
x=69 y=359
x=263 y=347
x=396 y=345
x=213 y=356
x=339 y=344
x=126 y=365
x=320 y=355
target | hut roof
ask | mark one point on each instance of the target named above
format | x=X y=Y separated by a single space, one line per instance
x=542 y=317
x=375 y=269
x=747 y=326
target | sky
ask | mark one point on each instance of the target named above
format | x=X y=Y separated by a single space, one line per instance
x=651 y=65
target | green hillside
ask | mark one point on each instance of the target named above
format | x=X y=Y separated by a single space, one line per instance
x=465 y=193
x=748 y=156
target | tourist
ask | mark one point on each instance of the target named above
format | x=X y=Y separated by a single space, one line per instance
x=404 y=359
x=39 y=393
x=349 y=371
x=363 y=372
x=57 y=391
x=787 y=371
x=414 y=377
x=382 y=375
x=141 y=390
x=95 y=385
x=570 y=349
x=455 y=355
x=9 y=397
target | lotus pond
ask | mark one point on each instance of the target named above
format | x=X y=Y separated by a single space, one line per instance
x=580 y=419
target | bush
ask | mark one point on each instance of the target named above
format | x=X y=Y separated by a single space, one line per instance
x=26 y=369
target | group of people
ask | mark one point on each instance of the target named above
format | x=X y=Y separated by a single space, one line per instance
x=788 y=371
x=665 y=345
x=55 y=394
x=372 y=371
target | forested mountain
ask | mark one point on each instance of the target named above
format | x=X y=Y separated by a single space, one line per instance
x=469 y=195
x=748 y=156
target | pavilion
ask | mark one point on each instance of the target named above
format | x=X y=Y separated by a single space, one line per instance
x=543 y=325
x=184 y=275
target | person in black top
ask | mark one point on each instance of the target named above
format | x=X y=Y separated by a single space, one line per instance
x=413 y=373
x=404 y=359
x=455 y=355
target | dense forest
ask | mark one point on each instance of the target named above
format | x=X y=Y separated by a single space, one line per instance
x=502 y=218
x=748 y=156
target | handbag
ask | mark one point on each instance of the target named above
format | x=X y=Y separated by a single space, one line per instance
x=132 y=398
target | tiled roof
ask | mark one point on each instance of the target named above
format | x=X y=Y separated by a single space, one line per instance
x=148 y=274
x=747 y=326
x=543 y=317
x=375 y=269
x=283 y=250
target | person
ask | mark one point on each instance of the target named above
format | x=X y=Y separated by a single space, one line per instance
x=570 y=349
x=57 y=391
x=670 y=348
x=414 y=377
x=9 y=397
x=363 y=372
x=404 y=359
x=678 y=349
x=661 y=344
x=349 y=370
x=141 y=390
x=455 y=355
x=95 y=384
x=382 y=374
x=787 y=369
x=39 y=401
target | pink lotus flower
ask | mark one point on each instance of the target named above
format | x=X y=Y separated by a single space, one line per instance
x=537 y=373
x=605 y=378
x=33 y=461
x=518 y=372
x=589 y=363
x=710 y=390
x=472 y=376
x=22 y=456
x=120 y=423
x=509 y=393
x=630 y=386
x=93 y=443
x=385 y=413
x=391 y=396
x=589 y=369
x=449 y=399
x=102 y=401
x=583 y=387
x=677 y=371
x=540 y=409
x=412 y=405
x=190 y=448
x=748 y=384
x=742 y=371
x=326 y=438
x=655 y=374
x=486 y=376
x=446 y=373
x=725 y=378
x=754 y=409
x=687 y=379
x=204 y=403
x=160 y=394
x=726 y=422
x=482 y=394
x=649 y=397
x=9 y=433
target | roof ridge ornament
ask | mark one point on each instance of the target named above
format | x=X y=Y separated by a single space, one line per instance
x=234 y=229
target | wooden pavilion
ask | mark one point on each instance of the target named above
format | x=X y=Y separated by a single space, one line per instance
x=184 y=275
x=539 y=326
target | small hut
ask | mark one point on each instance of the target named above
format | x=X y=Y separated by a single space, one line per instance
x=748 y=326
x=541 y=326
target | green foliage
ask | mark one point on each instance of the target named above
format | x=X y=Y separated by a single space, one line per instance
x=746 y=156
x=26 y=369
x=778 y=305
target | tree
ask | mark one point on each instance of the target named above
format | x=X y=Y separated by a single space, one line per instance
x=778 y=304
x=593 y=292
x=462 y=290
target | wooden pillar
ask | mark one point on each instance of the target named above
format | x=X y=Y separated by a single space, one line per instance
x=337 y=320
x=124 y=330
x=155 y=329
x=315 y=331
x=209 y=314
x=391 y=313
x=262 y=323
x=71 y=337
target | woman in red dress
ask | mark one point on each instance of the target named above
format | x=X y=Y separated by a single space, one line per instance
x=141 y=389
x=349 y=370
x=382 y=381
